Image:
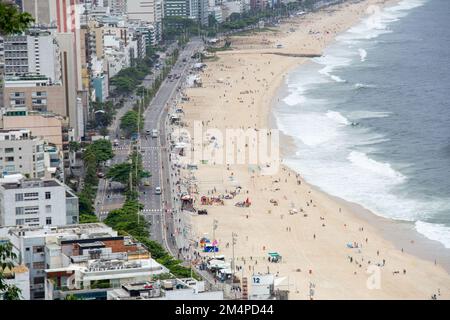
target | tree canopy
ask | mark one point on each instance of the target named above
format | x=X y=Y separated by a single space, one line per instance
x=7 y=256
x=13 y=21
x=129 y=122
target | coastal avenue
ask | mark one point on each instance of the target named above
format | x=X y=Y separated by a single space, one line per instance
x=110 y=194
x=155 y=151
x=154 y=154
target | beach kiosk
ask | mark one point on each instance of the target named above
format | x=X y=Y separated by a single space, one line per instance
x=274 y=257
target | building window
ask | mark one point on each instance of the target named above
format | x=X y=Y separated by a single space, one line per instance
x=19 y=197
x=48 y=195
x=31 y=220
x=19 y=222
x=48 y=209
x=32 y=210
x=9 y=150
x=38 y=249
x=39 y=280
x=31 y=196
x=39 y=295
x=19 y=211
x=9 y=159
x=48 y=220
x=38 y=265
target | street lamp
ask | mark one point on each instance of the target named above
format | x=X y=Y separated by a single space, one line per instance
x=234 y=237
x=215 y=225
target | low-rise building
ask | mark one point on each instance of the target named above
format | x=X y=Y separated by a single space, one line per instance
x=34 y=247
x=85 y=260
x=170 y=289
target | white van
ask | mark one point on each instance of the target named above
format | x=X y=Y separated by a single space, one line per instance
x=154 y=133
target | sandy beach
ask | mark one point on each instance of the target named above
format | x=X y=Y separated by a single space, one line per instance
x=239 y=87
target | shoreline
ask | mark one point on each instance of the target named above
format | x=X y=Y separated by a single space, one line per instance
x=409 y=238
x=422 y=246
x=302 y=249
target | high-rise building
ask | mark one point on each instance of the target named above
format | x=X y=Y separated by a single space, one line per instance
x=34 y=53
x=198 y=10
x=36 y=202
x=147 y=11
x=116 y=7
x=43 y=11
x=176 y=8
x=68 y=35
x=34 y=93
x=22 y=153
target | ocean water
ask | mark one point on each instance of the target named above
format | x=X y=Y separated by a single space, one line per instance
x=371 y=117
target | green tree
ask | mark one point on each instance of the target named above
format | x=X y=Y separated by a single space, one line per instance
x=13 y=21
x=74 y=146
x=102 y=150
x=129 y=123
x=90 y=163
x=7 y=256
x=120 y=172
x=88 y=218
x=85 y=200
x=123 y=172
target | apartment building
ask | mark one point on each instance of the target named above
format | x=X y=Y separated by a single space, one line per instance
x=2 y=70
x=147 y=11
x=85 y=260
x=36 y=202
x=43 y=11
x=33 y=247
x=21 y=153
x=34 y=53
x=176 y=8
x=198 y=10
x=44 y=125
x=18 y=276
x=170 y=289
x=34 y=92
x=117 y=7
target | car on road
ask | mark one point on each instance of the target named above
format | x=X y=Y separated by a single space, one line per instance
x=154 y=133
x=146 y=183
x=100 y=174
x=158 y=190
x=148 y=131
x=116 y=143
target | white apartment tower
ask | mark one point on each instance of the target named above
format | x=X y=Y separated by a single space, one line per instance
x=21 y=153
x=36 y=202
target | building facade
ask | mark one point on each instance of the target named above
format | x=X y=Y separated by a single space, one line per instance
x=35 y=53
x=21 y=153
x=36 y=202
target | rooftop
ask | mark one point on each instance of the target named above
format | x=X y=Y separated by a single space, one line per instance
x=31 y=183
x=69 y=232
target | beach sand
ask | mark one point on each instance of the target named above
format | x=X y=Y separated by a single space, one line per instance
x=313 y=243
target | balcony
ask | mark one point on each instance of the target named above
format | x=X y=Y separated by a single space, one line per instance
x=39 y=95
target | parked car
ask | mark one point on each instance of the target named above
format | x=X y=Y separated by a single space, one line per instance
x=158 y=190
